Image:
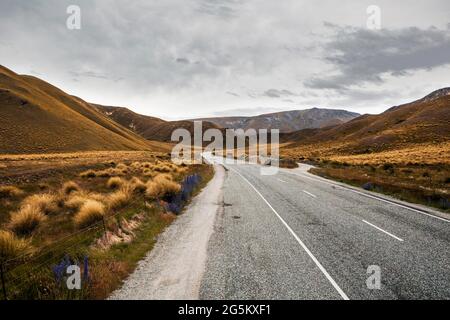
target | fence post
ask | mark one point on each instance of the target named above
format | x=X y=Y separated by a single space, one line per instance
x=2 y=276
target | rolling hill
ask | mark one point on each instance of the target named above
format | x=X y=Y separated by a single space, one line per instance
x=287 y=121
x=150 y=127
x=36 y=117
x=425 y=121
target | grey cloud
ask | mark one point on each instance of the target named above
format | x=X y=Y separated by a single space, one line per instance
x=274 y=93
x=361 y=56
x=232 y=94
x=219 y=8
x=183 y=60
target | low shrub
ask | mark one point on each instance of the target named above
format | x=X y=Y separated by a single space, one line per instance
x=46 y=202
x=88 y=174
x=11 y=246
x=115 y=182
x=161 y=187
x=26 y=220
x=119 y=198
x=90 y=212
x=138 y=185
x=10 y=192
x=70 y=187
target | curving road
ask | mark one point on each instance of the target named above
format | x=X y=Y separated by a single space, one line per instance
x=297 y=236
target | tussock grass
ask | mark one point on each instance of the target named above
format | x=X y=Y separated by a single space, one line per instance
x=11 y=246
x=88 y=174
x=46 y=202
x=120 y=197
x=70 y=187
x=161 y=186
x=138 y=185
x=10 y=192
x=27 y=219
x=115 y=182
x=90 y=212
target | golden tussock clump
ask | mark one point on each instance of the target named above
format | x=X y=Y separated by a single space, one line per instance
x=46 y=202
x=120 y=197
x=10 y=192
x=70 y=187
x=115 y=182
x=88 y=174
x=90 y=212
x=138 y=185
x=11 y=246
x=26 y=220
x=75 y=201
x=161 y=186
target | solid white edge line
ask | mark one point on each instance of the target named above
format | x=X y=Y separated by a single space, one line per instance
x=368 y=195
x=388 y=233
x=319 y=265
x=309 y=194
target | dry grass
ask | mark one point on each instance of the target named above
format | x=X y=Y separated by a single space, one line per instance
x=45 y=202
x=90 y=212
x=115 y=182
x=27 y=219
x=11 y=246
x=70 y=187
x=10 y=192
x=161 y=186
x=88 y=174
x=138 y=185
x=120 y=197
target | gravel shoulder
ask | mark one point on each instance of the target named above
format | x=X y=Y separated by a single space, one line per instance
x=175 y=267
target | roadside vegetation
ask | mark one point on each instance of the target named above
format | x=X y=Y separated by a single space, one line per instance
x=102 y=216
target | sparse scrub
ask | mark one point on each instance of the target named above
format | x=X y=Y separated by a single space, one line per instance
x=11 y=246
x=88 y=174
x=161 y=186
x=70 y=187
x=120 y=197
x=46 y=202
x=138 y=185
x=115 y=182
x=10 y=192
x=90 y=212
x=26 y=220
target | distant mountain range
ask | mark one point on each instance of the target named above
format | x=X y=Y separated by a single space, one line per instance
x=425 y=121
x=287 y=121
x=36 y=117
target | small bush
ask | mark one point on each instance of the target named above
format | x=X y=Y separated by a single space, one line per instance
x=75 y=202
x=11 y=246
x=137 y=184
x=161 y=186
x=70 y=187
x=10 y=192
x=120 y=198
x=46 y=202
x=88 y=174
x=26 y=220
x=90 y=212
x=115 y=182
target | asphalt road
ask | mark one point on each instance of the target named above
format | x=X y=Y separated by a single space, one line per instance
x=297 y=236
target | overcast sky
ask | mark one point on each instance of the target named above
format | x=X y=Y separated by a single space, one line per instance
x=190 y=58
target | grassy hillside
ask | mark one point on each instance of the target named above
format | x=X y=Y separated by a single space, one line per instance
x=36 y=117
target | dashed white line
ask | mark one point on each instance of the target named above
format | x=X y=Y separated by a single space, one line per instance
x=388 y=233
x=369 y=196
x=281 y=180
x=309 y=194
x=318 y=264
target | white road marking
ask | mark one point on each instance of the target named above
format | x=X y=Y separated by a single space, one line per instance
x=281 y=180
x=369 y=196
x=309 y=194
x=327 y=275
x=390 y=234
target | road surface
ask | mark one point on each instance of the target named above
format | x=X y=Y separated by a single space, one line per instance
x=294 y=235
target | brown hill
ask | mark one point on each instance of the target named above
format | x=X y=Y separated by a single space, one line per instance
x=36 y=117
x=150 y=127
x=425 y=121
x=287 y=121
